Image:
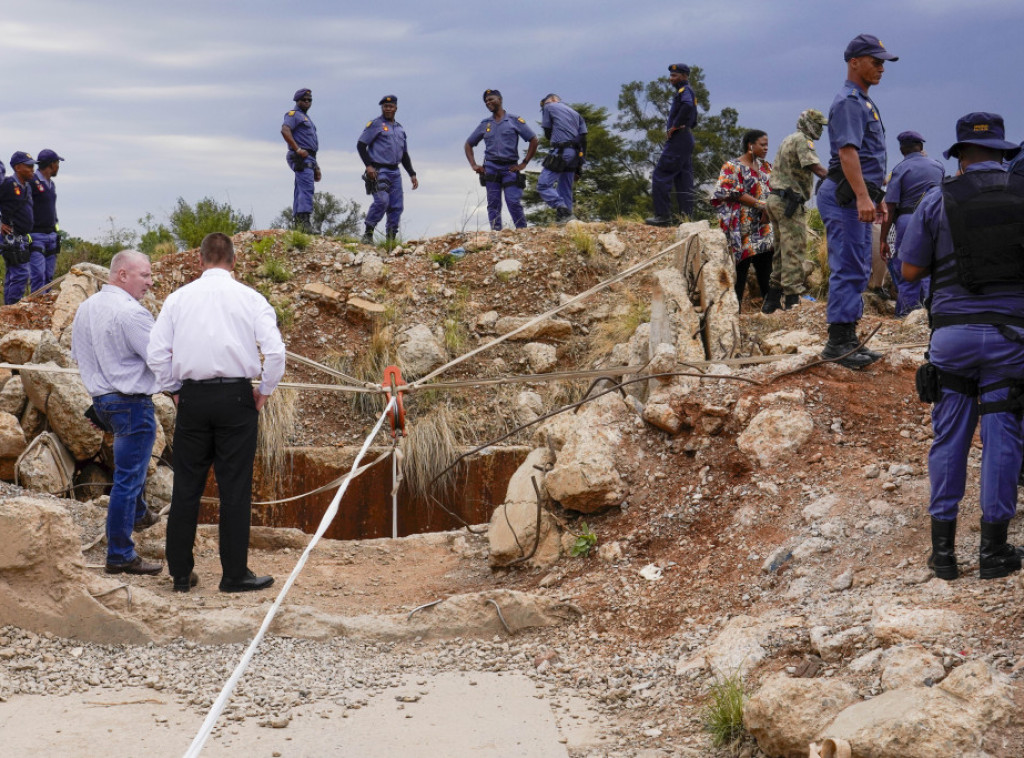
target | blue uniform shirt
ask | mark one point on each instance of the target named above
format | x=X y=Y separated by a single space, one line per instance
x=303 y=129
x=566 y=125
x=44 y=204
x=854 y=121
x=16 y=205
x=501 y=138
x=684 y=108
x=911 y=178
x=385 y=141
x=928 y=242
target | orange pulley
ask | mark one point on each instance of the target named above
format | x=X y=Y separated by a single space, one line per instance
x=391 y=385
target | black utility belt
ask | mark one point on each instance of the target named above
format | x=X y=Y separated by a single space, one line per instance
x=845 y=195
x=501 y=163
x=392 y=166
x=218 y=380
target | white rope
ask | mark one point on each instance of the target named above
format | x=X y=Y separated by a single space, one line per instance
x=225 y=694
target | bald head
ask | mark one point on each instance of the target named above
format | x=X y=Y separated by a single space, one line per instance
x=130 y=271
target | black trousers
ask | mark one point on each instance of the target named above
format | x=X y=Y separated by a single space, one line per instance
x=217 y=425
x=762 y=270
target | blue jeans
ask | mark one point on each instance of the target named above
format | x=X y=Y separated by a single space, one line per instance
x=44 y=258
x=513 y=196
x=981 y=352
x=849 y=257
x=134 y=423
x=391 y=202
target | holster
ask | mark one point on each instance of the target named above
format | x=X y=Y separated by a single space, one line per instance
x=845 y=196
x=520 y=180
x=15 y=249
x=555 y=162
x=926 y=380
x=369 y=184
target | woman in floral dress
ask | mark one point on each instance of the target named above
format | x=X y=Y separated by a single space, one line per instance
x=739 y=198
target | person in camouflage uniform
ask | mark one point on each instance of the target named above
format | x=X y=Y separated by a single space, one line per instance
x=796 y=165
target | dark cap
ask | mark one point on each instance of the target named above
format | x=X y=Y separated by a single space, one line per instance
x=982 y=129
x=867 y=44
x=679 y=68
x=301 y=93
x=393 y=99
x=489 y=92
x=20 y=157
x=547 y=97
x=909 y=136
x=48 y=156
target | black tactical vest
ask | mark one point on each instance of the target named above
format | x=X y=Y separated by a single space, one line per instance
x=986 y=218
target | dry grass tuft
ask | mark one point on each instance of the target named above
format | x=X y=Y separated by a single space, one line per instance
x=617 y=329
x=277 y=421
x=432 y=443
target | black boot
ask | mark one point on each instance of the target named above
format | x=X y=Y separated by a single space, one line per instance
x=842 y=339
x=658 y=221
x=563 y=215
x=772 y=301
x=302 y=223
x=367 y=236
x=874 y=355
x=997 y=557
x=943 y=558
x=792 y=301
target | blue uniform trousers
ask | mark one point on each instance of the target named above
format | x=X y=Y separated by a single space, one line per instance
x=134 y=423
x=44 y=258
x=302 y=197
x=15 y=279
x=981 y=352
x=513 y=196
x=849 y=257
x=909 y=295
x=390 y=201
x=555 y=187
x=673 y=175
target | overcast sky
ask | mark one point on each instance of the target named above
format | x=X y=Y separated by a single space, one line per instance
x=151 y=101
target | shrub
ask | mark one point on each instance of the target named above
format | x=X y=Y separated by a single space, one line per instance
x=723 y=710
x=296 y=240
x=585 y=541
x=275 y=269
x=190 y=224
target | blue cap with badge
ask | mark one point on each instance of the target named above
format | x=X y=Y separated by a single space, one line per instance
x=301 y=93
x=982 y=129
x=489 y=92
x=388 y=99
x=867 y=44
x=48 y=156
x=19 y=157
x=679 y=68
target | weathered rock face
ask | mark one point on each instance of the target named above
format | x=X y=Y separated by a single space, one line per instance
x=419 y=351
x=166 y=413
x=738 y=647
x=507 y=269
x=64 y=399
x=894 y=624
x=82 y=282
x=19 y=345
x=910 y=666
x=681 y=321
x=716 y=283
x=159 y=485
x=775 y=434
x=47 y=467
x=584 y=477
x=12 y=444
x=514 y=525
x=786 y=714
x=541 y=357
x=372 y=267
x=963 y=715
x=12 y=396
x=529 y=406
x=611 y=244
x=551 y=329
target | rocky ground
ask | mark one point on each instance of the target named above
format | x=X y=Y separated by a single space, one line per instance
x=800 y=569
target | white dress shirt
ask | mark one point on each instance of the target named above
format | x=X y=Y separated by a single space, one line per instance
x=109 y=339
x=212 y=328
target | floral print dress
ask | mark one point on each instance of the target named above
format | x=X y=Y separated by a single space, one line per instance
x=747 y=229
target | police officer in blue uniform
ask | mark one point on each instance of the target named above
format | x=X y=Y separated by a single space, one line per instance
x=567 y=133
x=500 y=172
x=382 y=148
x=850 y=197
x=912 y=177
x=16 y=222
x=45 y=230
x=967 y=233
x=674 y=173
x=299 y=132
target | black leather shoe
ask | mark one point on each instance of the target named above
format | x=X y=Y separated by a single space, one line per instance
x=149 y=518
x=185 y=583
x=658 y=221
x=136 y=566
x=792 y=301
x=248 y=583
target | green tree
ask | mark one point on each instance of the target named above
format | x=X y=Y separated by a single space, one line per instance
x=189 y=225
x=156 y=238
x=643 y=110
x=606 y=188
x=332 y=217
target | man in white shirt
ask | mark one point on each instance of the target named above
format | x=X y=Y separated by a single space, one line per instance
x=109 y=338
x=207 y=343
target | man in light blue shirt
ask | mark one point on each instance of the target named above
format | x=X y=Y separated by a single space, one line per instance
x=109 y=340
x=567 y=132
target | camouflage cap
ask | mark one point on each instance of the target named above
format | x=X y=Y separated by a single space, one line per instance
x=811 y=122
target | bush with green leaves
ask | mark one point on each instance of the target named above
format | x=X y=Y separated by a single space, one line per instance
x=723 y=710
x=296 y=240
x=190 y=224
x=585 y=541
x=331 y=216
